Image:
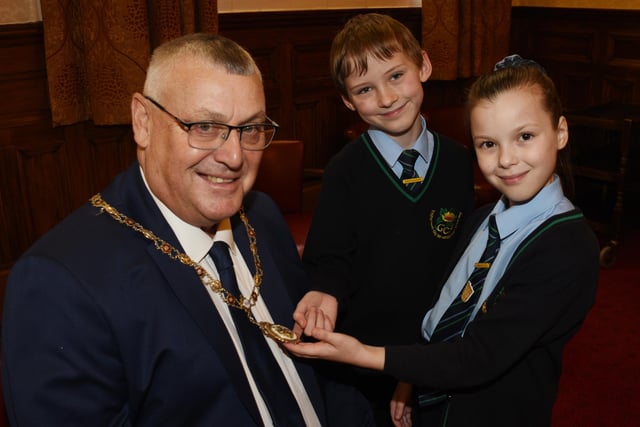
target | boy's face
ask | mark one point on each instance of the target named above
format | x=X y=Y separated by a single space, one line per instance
x=516 y=143
x=389 y=95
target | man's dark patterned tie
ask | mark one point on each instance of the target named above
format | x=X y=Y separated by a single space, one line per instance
x=265 y=370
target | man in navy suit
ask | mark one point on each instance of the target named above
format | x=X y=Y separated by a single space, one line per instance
x=117 y=316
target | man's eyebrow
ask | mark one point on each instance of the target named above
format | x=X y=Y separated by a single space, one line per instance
x=206 y=115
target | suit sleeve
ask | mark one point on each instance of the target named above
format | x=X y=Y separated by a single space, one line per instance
x=59 y=362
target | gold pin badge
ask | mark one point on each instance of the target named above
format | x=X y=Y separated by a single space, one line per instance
x=467 y=291
x=482 y=265
x=412 y=180
x=483 y=308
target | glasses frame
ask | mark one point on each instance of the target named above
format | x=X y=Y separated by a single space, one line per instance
x=186 y=126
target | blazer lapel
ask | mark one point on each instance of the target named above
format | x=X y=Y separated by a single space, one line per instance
x=184 y=282
x=192 y=294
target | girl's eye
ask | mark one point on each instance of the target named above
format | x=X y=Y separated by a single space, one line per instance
x=396 y=76
x=486 y=144
x=526 y=136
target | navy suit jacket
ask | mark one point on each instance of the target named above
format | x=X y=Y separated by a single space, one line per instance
x=101 y=328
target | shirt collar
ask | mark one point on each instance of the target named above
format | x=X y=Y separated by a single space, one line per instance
x=543 y=204
x=195 y=242
x=390 y=150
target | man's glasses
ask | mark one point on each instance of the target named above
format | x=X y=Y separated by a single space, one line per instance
x=211 y=135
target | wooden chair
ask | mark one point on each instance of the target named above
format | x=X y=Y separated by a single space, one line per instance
x=281 y=177
x=451 y=121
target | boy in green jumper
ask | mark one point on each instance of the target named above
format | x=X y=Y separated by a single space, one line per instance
x=391 y=204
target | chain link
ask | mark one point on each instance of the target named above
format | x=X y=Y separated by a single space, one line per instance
x=240 y=303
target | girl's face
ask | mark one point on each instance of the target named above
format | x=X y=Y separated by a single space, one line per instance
x=516 y=142
x=389 y=95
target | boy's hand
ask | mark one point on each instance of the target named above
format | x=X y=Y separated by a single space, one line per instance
x=401 y=405
x=315 y=310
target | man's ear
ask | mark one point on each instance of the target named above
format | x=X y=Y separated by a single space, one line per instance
x=140 y=120
x=562 y=132
x=348 y=103
x=426 y=69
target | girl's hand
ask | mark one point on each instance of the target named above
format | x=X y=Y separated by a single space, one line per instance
x=339 y=348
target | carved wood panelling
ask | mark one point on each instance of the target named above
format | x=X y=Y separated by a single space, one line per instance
x=45 y=173
x=303 y=100
x=593 y=56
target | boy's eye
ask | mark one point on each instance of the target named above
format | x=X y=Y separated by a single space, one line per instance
x=396 y=76
x=526 y=136
x=363 y=90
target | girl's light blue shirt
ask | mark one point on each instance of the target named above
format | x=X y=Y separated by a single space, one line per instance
x=514 y=225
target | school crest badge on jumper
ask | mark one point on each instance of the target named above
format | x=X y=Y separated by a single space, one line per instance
x=444 y=222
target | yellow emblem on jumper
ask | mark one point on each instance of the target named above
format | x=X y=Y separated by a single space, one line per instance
x=444 y=222
x=482 y=265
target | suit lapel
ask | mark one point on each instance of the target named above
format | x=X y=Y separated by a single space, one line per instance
x=185 y=283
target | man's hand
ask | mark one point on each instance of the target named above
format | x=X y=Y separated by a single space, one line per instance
x=315 y=310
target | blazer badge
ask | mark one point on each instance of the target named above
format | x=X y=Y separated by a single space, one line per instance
x=444 y=222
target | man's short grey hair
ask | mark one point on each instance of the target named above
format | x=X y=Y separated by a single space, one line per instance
x=213 y=48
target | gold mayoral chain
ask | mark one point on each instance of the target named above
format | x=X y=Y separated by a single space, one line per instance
x=276 y=332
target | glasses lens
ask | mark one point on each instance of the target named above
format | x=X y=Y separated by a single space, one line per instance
x=207 y=136
x=257 y=137
x=210 y=136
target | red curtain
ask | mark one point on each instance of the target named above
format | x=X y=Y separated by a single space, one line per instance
x=97 y=52
x=465 y=38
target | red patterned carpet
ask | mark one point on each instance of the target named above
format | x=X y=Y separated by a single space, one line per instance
x=600 y=384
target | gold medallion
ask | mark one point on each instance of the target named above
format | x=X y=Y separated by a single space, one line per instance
x=279 y=333
x=467 y=291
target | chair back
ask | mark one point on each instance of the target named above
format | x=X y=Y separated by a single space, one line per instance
x=281 y=174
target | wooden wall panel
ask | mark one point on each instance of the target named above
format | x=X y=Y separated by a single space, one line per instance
x=303 y=99
x=593 y=56
x=47 y=172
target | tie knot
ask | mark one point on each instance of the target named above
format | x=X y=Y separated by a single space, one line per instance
x=408 y=158
x=220 y=254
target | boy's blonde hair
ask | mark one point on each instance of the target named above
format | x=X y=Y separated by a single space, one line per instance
x=373 y=34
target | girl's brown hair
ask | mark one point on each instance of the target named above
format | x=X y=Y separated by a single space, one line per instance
x=514 y=72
